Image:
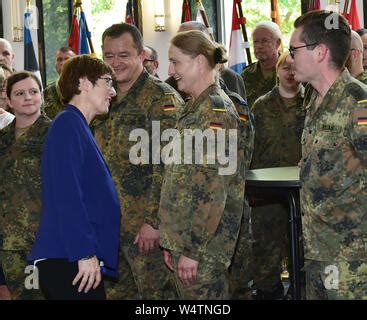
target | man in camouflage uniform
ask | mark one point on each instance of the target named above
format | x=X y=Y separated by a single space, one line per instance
x=259 y=77
x=279 y=118
x=141 y=99
x=20 y=202
x=355 y=60
x=52 y=104
x=334 y=160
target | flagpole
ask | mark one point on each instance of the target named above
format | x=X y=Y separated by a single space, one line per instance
x=205 y=18
x=244 y=32
x=88 y=33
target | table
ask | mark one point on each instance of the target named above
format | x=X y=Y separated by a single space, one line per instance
x=284 y=181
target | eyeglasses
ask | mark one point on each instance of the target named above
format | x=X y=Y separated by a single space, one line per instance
x=293 y=49
x=264 y=41
x=148 y=60
x=21 y=93
x=108 y=80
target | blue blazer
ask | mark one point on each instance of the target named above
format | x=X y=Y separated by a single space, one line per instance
x=80 y=205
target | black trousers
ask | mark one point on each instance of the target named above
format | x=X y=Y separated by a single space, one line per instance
x=56 y=277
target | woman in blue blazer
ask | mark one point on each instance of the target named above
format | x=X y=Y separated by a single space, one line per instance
x=78 y=237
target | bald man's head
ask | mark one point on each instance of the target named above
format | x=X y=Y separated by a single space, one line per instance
x=6 y=53
x=355 y=60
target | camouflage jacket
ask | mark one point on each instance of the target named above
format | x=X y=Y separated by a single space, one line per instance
x=20 y=184
x=334 y=173
x=138 y=185
x=255 y=83
x=246 y=124
x=279 y=126
x=52 y=104
x=362 y=77
x=200 y=209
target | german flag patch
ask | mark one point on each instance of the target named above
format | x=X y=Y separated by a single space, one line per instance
x=169 y=107
x=243 y=117
x=361 y=121
x=216 y=125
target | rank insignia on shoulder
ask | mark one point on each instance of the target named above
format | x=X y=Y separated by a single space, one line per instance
x=216 y=125
x=169 y=107
x=243 y=117
x=219 y=109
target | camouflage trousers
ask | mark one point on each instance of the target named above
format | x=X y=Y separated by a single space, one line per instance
x=271 y=244
x=240 y=272
x=336 y=280
x=14 y=264
x=211 y=282
x=141 y=277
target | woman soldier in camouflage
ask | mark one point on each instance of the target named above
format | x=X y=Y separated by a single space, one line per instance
x=200 y=209
x=20 y=184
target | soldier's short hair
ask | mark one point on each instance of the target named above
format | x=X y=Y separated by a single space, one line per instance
x=317 y=28
x=19 y=76
x=195 y=42
x=65 y=49
x=361 y=32
x=118 y=29
x=271 y=27
x=79 y=67
x=154 y=55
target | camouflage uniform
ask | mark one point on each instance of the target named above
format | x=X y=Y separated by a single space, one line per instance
x=255 y=83
x=20 y=201
x=239 y=272
x=201 y=210
x=334 y=190
x=139 y=186
x=52 y=104
x=362 y=77
x=279 y=125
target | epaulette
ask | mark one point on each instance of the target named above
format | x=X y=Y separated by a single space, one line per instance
x=166 y=88
x=233 y=95
x=250 y=67
x=218 y=103
x=357 y=92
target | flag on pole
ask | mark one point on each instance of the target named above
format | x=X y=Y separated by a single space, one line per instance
x=237 y=60
x=186 y=14
x=30 y=61
x=73 y=40
x=275 y=16
x=83 y=35
x=352 y=16
x=129 y=16
x=200 y=15
x=314 y=5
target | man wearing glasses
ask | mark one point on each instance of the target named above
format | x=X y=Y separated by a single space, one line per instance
x=334 y=159
x=355 y=60
x=141 y=99
x=259 y=77
x=151 y=62
x=363 y=34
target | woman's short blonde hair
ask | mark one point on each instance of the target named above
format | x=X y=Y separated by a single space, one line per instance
x=281 y=60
